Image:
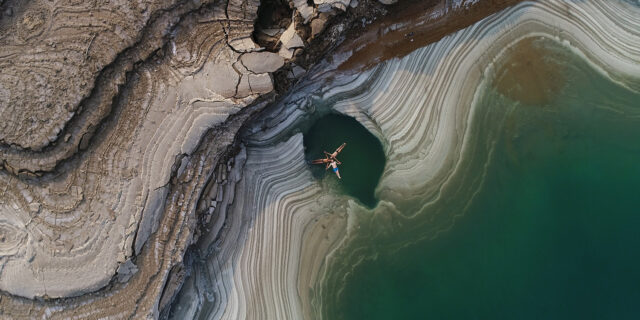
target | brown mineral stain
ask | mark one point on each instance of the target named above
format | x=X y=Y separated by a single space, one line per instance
x=422 y=22
x=530 y=72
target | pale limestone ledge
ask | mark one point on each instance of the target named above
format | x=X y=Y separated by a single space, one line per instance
x=277 y=253
x=66 y=235
x=273 y=211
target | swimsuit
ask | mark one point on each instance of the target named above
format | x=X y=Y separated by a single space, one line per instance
x=335 y=169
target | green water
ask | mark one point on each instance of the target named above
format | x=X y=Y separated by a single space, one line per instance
x=554 y=232
x=362 y=159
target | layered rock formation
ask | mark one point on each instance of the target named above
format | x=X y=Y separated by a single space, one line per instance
x=296 y=238
x=104 y=192
x=272 y=201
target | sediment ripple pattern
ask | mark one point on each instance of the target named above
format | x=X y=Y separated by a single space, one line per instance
x=101 y=236
x=276 y=204
x=421 y=108
x=51 y=53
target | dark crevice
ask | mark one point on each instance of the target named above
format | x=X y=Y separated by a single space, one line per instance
x=272 y=14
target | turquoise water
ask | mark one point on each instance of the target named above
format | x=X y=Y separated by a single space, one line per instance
x=553 y=233
x=362 y=159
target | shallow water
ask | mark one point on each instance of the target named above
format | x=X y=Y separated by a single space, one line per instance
x=362 y=158
x=551 y=229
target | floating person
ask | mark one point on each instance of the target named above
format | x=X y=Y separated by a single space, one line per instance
x=331 y=160
x=334 y=167
x=334 y=155
x=326 y=161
